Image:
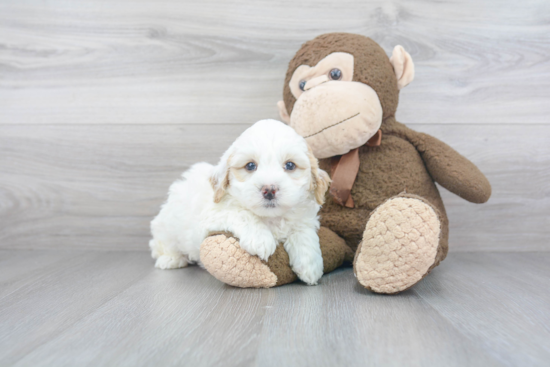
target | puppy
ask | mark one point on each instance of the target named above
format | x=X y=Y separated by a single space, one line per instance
x=267 y=188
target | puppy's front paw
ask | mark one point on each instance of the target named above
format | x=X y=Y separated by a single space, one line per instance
x=309 y=269
x=262 y=245
x=171 y=262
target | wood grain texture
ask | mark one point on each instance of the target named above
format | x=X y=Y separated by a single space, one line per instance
x=518 y=333
x=104 y=103
x=216 y=61
x=114 y=308
x=51 y=299
x=18 y=269
x=97 y=187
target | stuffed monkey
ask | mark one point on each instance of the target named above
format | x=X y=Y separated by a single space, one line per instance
x=383 y=211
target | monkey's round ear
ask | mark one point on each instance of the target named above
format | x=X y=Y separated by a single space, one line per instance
x=403 y=66
x=283 y=112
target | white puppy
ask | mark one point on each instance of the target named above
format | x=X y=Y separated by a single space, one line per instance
x=266 y=188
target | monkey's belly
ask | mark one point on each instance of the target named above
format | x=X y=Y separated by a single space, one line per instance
x=385 y=171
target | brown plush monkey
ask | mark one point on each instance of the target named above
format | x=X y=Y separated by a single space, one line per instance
x=383 y=211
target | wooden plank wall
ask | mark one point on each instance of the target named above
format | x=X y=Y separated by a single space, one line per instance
x=104 y=103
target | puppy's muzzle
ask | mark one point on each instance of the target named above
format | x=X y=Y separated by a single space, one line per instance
x=269 y=191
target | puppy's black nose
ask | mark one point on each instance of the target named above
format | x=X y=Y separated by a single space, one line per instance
x=268 y=191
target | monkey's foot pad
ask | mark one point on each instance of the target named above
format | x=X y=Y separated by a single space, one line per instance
x=399 y=245
x=222 y=256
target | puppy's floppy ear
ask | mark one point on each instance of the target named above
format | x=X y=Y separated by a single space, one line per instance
x=220 y=178
x=320 y=180
x=323 y=182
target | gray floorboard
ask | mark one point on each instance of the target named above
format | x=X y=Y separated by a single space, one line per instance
x=66 y=308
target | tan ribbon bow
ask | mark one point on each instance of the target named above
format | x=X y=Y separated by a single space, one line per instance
x=344 y=170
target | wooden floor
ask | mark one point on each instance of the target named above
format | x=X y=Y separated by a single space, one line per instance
x=92 y=308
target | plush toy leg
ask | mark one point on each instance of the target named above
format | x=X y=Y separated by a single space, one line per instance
x=399 y=246
x=334 y=250
x=222 y=256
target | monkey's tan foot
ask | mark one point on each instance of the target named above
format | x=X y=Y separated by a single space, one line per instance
x=222 y=257
x=399 y=245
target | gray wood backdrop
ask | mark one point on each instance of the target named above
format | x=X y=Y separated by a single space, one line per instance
x=104 y=103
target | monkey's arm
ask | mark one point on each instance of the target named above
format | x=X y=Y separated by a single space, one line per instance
x=452 y=170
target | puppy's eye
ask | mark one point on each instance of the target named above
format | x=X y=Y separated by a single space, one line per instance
x=290 y=166
x=335 y=74
x=302 y=84
x=250 y=166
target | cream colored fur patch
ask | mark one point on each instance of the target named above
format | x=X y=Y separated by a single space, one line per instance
x=399 y=245
x=229 y=263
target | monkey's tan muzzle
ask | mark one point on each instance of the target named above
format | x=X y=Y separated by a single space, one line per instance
x=335 y=117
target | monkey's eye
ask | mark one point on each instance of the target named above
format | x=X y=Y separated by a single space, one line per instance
x=290 y=166
x=302 y=84
x=250 y=166
x=335 y=74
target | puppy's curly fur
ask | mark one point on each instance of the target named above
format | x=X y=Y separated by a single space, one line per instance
x=266 y=189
